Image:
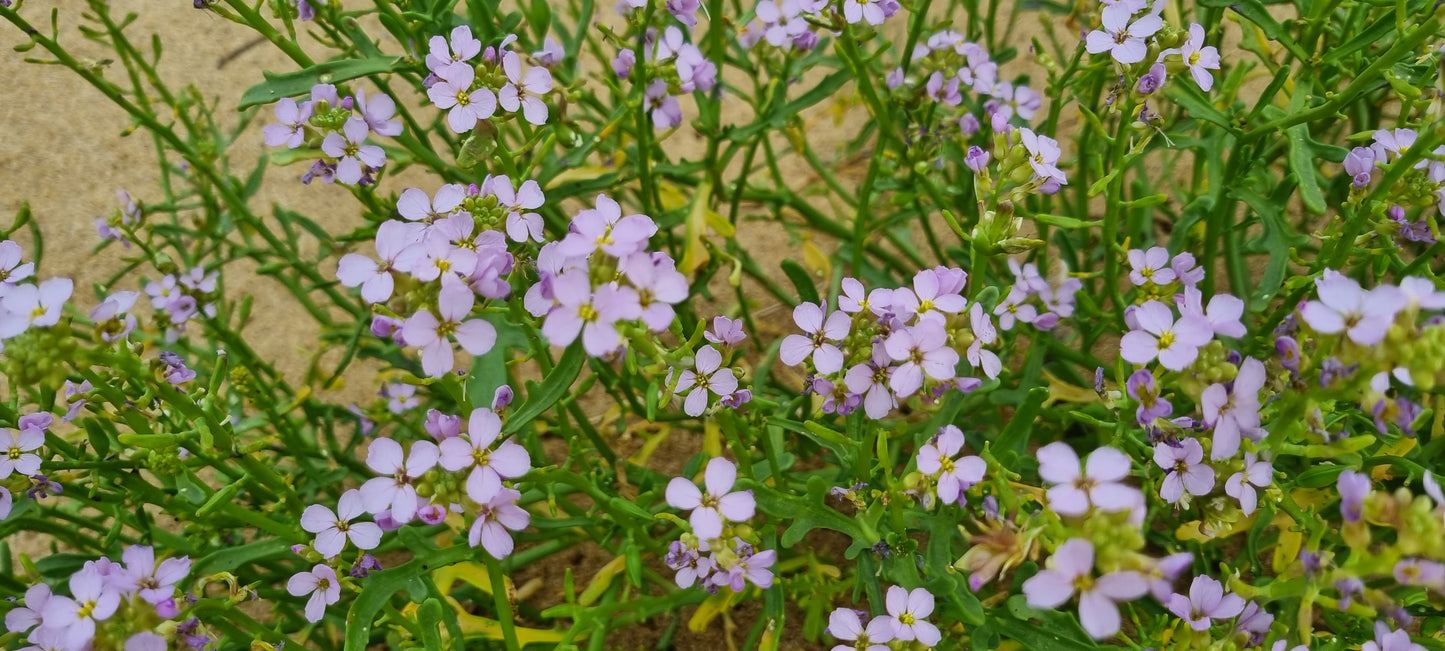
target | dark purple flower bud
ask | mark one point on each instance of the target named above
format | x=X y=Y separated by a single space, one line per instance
x=990 y=507
x=1311 y=561
x=1233 y=357
x=894 y=78
x=40 y=421
x=882 y=550
x=1152 y=81
x=502 y=398
x=805 y=41
x=737 y=398
x=1099 y=380
x=977 y=159
x=1406 y=413
x=298 y=548
x=385 y=326
x=304 y=11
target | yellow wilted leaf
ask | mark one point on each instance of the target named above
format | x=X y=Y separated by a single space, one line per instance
x=710 y=609
x=650 y=446
x=584 y=173
x=1061 y=391
x=672 y=198
x=471 y=573
x=602 y=580
x=720 y=224
x=1396 y=449
x=694 y=254
x=492 y=629
x=814 y=258
x=1286 y=551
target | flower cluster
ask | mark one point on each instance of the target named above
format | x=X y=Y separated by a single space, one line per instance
x=600 y=279
x=25 y=305
x=339 y=126
x=178 y=297
x=675 y=67
x=138 y=591
x=886 y=345
x=471 y=93
x=715 y=554
x=458 y=472
x=905 y=621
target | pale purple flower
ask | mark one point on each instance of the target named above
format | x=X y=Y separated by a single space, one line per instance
x=725 y=331
x=1043 y=155
x=1161 y=577
x=551 y=53
x=291 y=129
x=461 y=47
x=1364 y=316
x=1353 y=487
x=111 y=318
x=665 y=110
x=1142 y=387
x=495 y=519
x=622 y=63
x=1223 y=312
x=983 y=334
x=847 y=626
x=1151 y=266
x=489 y=466
x=684 y=10
x=707 y=374
x=1126 y=42
x=33 y=305
x=1072 y=570
x=1176 y=344
x=524 y=91
x=521 y=223
x=1152 y=81
x=690 y=565
x=870 y=380
x=23 y=618
x=334 y=528
x=433 y=332
x=323 y=586
x=1234 y=413
x=1098 y=484
x=394 y=490
x=378 y=113
x=1206 y=602
x=414 y=205
x=593 y=315
x=977 y=159
x=352 y=154
x=17 y=451
x=1396 y=141
x=399 y=250
x=606 y=228
x=1241 y=485
x=154 y=582
x=907 y=610
x=7 y=502
x=453 y=93
x=927 y=296
x=1198 y=57
x=1187 y=470
x=855 y=298
x=12 y=271
x=659 y=286
x=817 y=343
x=870 y=11
x=1418 y=571
x=1387 y=640
x=1360 y=164
x=749 y=568
x=91 y=600
x=719 y=504
x=923 y=350
x=954 y=475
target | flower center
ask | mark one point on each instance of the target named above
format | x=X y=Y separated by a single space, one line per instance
x=350 y=150
x=1193 y=58
x=1147 y=272
x=906 y=619
x=463 y=98
x=14 y=454
x=481 y=456
x=1167 y=339
x=86 y=608
x=947 y=465
x=588 y=313
x=1083 y=583
x=322 y=584
x=446 y=328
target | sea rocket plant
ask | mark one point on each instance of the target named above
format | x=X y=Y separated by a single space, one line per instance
x=1052 y=378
